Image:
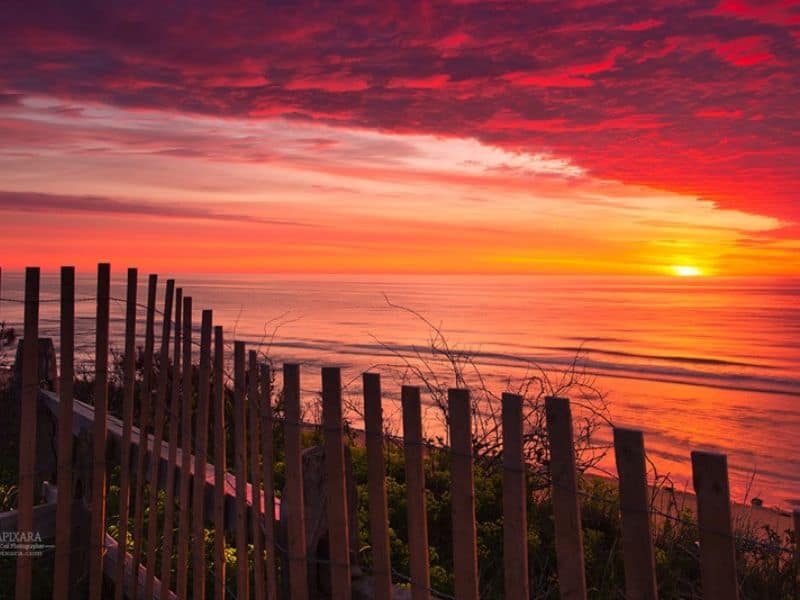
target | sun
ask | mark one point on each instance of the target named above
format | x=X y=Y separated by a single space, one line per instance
x=686 y=271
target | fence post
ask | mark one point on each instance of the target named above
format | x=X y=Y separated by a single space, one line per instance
x=415 y=493
x=27 y=443
x=144 y=422
x=267 y=460
x=797 y=550
x=462 y=493
x=219 y=464
x=200 y=452
x=637 y=541
x=98 y=498
x=338 y=535
x=515 y=518
x=129 y=369
x=717 y=552
x=186 y=452
x=158 y=438
x=255 y=475
x=171 y=424
x=292 y=504
x=566 y=505
x=240 y=456
x=64 y=482
x=376 y=487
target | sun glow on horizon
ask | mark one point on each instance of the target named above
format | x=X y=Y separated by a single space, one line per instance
x=686 y=271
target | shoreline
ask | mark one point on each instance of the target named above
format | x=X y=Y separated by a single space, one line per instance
x=743 y=516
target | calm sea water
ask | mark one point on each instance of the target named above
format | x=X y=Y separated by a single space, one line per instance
x=702 y=363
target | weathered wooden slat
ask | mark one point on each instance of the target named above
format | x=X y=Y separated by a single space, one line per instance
x=415 y=493
x=97 y=501
x=63 y=549
x=717 y=551
x=129 y=386
x=219 y=464
x=267 y=463
x=336 y=489
x=158 y=437
x=83 y=420
x=796 y=524
x=255 y=472
x=112 y=564
x=182 y=580
x=144 y=423
x=293 y=503
x=200 y=455
x=240 y=459
x=376 y=487
x=637 y=541
x=171 y=432
x=44 y=521
x=515 y=519
x=462 y=492
x=27 y=442
x=566 y=504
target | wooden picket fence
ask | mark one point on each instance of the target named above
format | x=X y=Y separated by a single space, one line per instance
x=174 y=459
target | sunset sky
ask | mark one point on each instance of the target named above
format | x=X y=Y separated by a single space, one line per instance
x=577 y=136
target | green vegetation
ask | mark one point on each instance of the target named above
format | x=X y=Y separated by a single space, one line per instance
x=764 y=572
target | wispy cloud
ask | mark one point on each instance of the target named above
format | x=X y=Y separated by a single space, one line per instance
x=624 y=92
x=31 y=202
x=629 y=125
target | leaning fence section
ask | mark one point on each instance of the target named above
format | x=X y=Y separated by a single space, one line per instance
x=158 y=497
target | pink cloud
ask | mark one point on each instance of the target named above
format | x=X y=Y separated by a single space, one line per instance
x=774 y=12
x=337 y=83
x=642 y=25
x=745 y=52
x=551 y=79
x=666 y=95
x=453 y=40
x=719 y=114
x=597 y=67
x=425 y=83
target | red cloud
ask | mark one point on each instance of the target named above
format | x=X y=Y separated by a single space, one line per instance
x=774 y=12
x=599 y=66
x=642 y=25
x=746 y=51
x=697 y=97
x=549 y=79
x=431 y=82
x=719 y=114
x=340 y=83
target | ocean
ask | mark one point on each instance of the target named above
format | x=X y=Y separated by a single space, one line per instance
x=696 y=363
